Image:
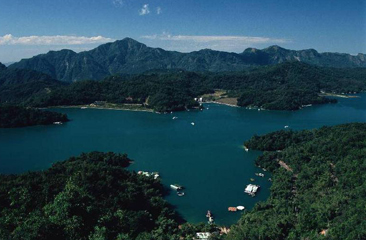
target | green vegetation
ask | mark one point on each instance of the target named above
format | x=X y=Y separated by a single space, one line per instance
x=87 y=197
x=13 y=116
x=288 y=86
x=18 y=86
x=91 y=197
x=318 y=193
x=128 y=56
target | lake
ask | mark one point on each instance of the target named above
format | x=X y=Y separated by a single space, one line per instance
x=207 y=158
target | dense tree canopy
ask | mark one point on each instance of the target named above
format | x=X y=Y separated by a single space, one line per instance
x=14 y=116
x=90 y=196
x=319 y=186
x=287 y=86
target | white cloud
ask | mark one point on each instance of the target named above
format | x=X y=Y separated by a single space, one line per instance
x=144 y=10
x=188 y=43
x=158 y=10
x=206 y=39
x=52 y=40
x=118 y=3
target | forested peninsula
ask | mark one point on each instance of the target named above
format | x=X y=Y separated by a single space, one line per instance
x=15 y=116
x=287 y=86
x=319 y=185
x=89 y=197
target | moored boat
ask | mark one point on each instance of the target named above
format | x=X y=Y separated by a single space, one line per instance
x=176 y=186
x=240 y=208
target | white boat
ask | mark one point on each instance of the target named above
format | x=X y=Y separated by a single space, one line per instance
x=246 y=149
x=240 y=208
x=286 y=126
x=155 y=175
x=57 y=123
x=83 y=108
x=180 y=194
x=192 y=123
x=251 y=189
x=259 y=174
x=174 y=118
x=176 y=186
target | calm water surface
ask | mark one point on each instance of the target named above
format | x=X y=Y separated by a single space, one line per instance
x=208 y=158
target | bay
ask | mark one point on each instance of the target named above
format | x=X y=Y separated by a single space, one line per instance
x=208 y=158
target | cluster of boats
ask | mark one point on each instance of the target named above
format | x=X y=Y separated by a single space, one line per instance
x=178 y=188
x=155 y=175
x=234 y=209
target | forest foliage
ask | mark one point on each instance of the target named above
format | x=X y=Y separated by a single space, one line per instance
x=288 y=86
x=15 y=116
x=320 y=196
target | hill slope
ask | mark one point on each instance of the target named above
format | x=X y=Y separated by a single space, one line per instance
x=320 y=193
x=286 y=86
x=18 y=85
x=128 y=56
x=90 y=196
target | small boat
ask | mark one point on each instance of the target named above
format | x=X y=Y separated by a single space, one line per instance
x=180 y=194
x=286 y=126
x=83 y=108
x=270 y=179
x=240 y=208
x=208 y=214
x=176 y=186
x=57 y=123
x=192 y=123
x=210 y=220
x=251 y=189
x=259 y=174
x=252 y=179
x=174 y=118
x=232 y=209
x=246 y=149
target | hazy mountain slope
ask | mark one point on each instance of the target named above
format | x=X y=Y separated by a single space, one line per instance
x=128 y=56
x=18 y=85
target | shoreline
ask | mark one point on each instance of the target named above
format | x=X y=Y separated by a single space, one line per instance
x=82 y=107
x=338 y=95
x=226 y=104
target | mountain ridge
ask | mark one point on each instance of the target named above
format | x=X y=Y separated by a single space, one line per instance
x=128 y=56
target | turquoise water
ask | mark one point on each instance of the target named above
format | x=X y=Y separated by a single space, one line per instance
x=207 y=158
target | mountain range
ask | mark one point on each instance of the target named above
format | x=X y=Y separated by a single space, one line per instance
x=128 y=56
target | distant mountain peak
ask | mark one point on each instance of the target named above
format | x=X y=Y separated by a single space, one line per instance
x=128 y=56
x=275 y=48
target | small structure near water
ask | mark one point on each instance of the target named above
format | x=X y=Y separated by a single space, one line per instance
x=155 y=175
x=251 y=189
x=203 y=235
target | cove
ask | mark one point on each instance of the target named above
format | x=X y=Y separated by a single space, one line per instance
x=207 y=158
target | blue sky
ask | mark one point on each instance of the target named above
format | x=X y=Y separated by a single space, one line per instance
x=32 y=27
